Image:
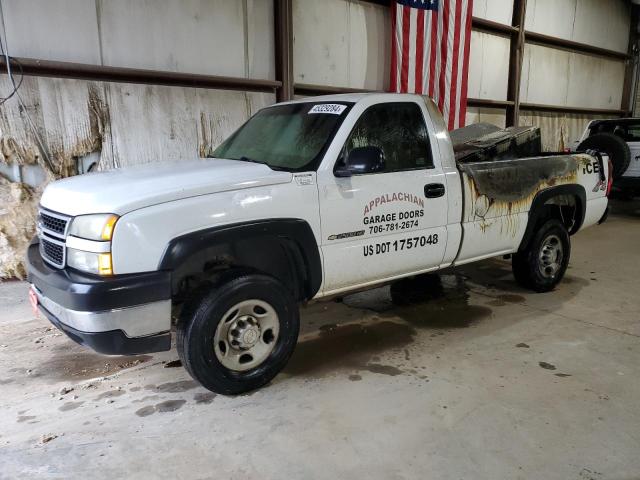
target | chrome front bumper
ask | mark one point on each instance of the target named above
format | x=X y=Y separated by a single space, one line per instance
x=138 y=321
x=125 y=331
x=117 y=315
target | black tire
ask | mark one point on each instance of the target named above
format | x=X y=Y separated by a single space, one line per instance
x=615 y=147
x=199 y=320
x=535 y=269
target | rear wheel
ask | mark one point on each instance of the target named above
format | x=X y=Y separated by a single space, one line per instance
x=238 y=334
x=543 y=263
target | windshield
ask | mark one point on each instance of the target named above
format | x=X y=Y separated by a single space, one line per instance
x=289 y=137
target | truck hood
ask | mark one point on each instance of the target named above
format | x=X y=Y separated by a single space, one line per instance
x=125 y=189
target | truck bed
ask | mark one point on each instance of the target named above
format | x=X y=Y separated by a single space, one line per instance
x=503 y=170
x=482 y=142
x=508 y=165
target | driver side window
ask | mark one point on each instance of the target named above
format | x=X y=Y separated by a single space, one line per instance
x=399 y=130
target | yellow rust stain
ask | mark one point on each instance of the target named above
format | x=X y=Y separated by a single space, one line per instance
x=505 y=214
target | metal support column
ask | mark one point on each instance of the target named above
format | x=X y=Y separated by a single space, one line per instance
x=283 y=17
x=516 y=55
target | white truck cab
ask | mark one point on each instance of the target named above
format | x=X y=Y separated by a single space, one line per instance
x=308 y=199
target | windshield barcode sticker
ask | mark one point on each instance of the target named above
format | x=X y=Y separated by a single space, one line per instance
x=332 y=108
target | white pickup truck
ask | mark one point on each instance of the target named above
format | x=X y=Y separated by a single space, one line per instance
x=307 y=200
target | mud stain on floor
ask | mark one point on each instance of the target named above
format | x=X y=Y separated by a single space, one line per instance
x=170 y=405
x=70 y=406
x=547 y=366
x=173 y=387
x=496 y=303
x=110 y=394
x=508 y=298
x=382 y=369
x=348 y=346
x=204 y=398
x=25 y=418
x=146 y=411
x=355 y=377
x=511 y=298
x=162 y=407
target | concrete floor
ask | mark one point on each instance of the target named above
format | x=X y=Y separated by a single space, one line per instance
x=478 y=379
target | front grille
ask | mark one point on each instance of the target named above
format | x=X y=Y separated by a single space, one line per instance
x=52 y=231
x=52 y=251
x=53 y=224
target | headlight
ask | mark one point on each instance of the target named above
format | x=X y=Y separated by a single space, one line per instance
x=94 y=227
x=98 y=263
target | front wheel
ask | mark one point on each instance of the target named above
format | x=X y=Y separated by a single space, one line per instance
x=238 y=334
x=543 y=263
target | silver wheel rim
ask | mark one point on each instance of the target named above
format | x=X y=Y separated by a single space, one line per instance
x=246 y=335
x=550 y=257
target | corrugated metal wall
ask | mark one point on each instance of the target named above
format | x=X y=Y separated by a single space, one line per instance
x=140 y=123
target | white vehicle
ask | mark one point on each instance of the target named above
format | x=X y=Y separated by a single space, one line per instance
x=307 y=200
x=619 y=138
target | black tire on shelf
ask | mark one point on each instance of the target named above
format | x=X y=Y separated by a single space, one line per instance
x=200 y=323
x=542 y=264
x=615 y=147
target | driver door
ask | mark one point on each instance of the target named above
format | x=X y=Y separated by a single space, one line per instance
x=391 y=223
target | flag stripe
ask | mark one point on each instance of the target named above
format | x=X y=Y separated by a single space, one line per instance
x=434 y=53
x=404 y=75
x=430 y=52
x=413 y=48
x=419 y=51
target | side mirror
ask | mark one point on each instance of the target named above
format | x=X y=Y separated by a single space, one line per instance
x=362 y=160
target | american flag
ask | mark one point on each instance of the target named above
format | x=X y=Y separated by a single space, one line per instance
x=430 y=53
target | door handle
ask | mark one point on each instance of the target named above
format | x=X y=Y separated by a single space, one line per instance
x=434 y=190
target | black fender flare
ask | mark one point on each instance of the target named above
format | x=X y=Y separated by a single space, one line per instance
x=293 y=237
x=537 y=208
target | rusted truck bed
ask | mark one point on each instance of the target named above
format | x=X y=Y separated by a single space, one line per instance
x=504 y=173
x=508 y=165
